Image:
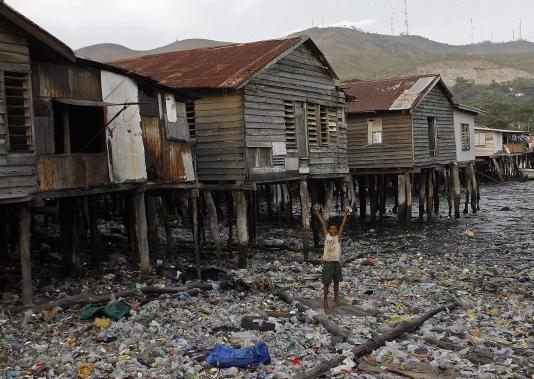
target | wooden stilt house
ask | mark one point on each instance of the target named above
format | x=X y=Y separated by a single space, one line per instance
x=401 y=127
x=262 y=112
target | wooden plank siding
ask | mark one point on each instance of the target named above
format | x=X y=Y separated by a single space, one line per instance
x=18 y=174
x=297 y=77
x=396 y=149
x=434 y=104
x=220 y=137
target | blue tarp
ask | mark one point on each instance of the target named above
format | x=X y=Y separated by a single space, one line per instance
x=224 y=357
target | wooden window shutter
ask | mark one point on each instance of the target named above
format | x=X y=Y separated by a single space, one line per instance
x=289 y=120
x=312 y=113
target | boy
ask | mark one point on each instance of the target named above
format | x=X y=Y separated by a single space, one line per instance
x=332 y=256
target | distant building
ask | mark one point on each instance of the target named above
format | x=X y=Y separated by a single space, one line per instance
x=464 y=133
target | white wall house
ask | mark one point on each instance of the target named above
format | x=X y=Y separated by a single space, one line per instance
x=464 y=133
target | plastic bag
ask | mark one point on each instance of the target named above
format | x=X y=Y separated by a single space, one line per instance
x=224 y=357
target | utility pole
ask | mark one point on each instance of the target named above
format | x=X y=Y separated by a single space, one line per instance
x=407 y=30
x=392 y=21
x=472 y=32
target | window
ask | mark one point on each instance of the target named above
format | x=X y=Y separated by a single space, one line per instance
x=432 y=135
x=190 y=112
x=176 y=120
x=480 y=139
x=312 y=111
x=374 y=131
x=260 y=157
x=18 y=111
x=330 y=119
x=289 y=120
x=466 y=142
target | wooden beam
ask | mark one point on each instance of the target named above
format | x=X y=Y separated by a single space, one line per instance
x=25 y=258
x=455 y=178
x=240 y=205
x=196 y=237
x=213 y=224
x=429 y=193
x=409 y=199
x=305 y=205
x=141 y=232
x=422 y=195
x=401 y=190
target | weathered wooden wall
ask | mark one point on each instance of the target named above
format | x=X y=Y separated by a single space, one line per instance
x=434 y=104
x=461 y=117
x=18 y=177
x=219 y=129
x=297 y=77
x=396 y=149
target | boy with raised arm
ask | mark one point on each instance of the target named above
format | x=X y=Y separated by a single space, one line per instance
x=332 y=255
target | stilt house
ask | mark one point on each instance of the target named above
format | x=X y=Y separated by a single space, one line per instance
x=464 y=133
x=401 y=126
x=262 y=112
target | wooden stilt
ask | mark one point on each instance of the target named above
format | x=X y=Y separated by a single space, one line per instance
x=478 y=185
x=165 y=217
x=437 y=186
x=382 y=194
x=305 y=206
x=69 y=231
x=362 y=195
x=281 y=203
x=328 y=198
x=468 y=188
x=25 y=258
x=289 y=213
x=429 y=193
x=498 y=169
x=474 y=187
x=213 y=224
x=455 y=177
x=448 y=188
x=231 y=222
x=196 y=232
x=351 y=194
x=372 y=197
x=401 y=190
x=96 y=242
x=268 y=200
x=240 y=204
x=153 y=226
x=253 y=215
x=4 y=253
x=422 y=194
x=313 y=195
x=141 y=232
x=409 y=199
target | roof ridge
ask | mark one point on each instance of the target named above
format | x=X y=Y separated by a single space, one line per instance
x=357 y=81
x=203 y=49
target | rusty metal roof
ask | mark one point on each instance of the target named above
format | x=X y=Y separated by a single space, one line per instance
x=36 y=32
x=228 y=66
x=389 y=94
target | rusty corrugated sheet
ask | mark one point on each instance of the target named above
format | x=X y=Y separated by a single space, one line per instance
x=216 y=67
x=388 y=94
x=57 y=172
x=66 y=81
x=153 y=147
x=178 y=162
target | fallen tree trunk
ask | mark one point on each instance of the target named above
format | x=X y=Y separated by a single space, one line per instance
x=374 y=343
x=92 y=298
x=332 y=327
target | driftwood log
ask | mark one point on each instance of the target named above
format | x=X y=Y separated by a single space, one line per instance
x=90 y=297
x=329 y=325
x=378 y=341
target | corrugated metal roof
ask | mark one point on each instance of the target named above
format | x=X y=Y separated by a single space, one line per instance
x=388 y=94
x=227 y=66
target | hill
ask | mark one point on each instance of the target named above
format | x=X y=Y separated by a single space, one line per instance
x=105 y=52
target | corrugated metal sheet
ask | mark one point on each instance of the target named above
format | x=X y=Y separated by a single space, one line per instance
x=58 y=172
x=216 y=67
x=153 y=147
x=124 y=138
x=66 y=81
x=388 y=94
x=178 y=162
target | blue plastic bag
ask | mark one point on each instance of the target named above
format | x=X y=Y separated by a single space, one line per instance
x=224 y=357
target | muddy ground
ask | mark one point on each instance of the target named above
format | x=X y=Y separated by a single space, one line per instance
x=486 y=260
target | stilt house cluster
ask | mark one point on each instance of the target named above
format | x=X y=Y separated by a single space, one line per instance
x=207 y=134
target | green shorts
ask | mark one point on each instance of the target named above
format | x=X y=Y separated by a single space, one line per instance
x=332 y=272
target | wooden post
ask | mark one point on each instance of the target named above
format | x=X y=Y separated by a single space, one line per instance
x=468 y=187
x=401 y=190
x=4 y=254
x=69 y=222
x=422 y=194
x=141 y=232
x=351 y=194
x=25 y=258
x=240 y=204
x=448 y=188
x=474 y=187
x=66 y=129
x=498 y=169
x=196 y=236
x=372 y=197
x=165 y=215
x=437 y=185
x=289 y=214
x=455 y=178
x=213 y=224
x=429 y=193
x=409 y=199
x=96 y=242
x=314 y=198
x=153 y=223
x=382 y=189
x=305 y=206
x=362 y=196
x=231 y=222
x=328 y=198
x=477 y=177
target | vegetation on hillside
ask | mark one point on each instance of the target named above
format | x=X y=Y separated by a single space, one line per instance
x=507 y=105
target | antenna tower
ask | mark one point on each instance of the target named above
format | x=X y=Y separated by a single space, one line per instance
x=407 y=30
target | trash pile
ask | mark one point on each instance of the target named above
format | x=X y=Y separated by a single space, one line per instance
x=240 y=327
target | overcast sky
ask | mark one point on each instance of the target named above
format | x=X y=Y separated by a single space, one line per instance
x=149 y=24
